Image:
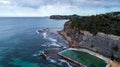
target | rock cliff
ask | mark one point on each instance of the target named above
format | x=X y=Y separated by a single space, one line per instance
x=105 y=44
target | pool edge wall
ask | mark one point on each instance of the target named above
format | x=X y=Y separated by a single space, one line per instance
x=72 y=60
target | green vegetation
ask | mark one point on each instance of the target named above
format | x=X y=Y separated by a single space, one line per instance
x=107 y=23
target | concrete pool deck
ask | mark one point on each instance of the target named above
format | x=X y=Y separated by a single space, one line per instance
x=114 y=64
x=107 y=60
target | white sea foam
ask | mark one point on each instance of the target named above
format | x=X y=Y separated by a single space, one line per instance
x=55 y=44
x=37 y=32
x=44 y=35
x=64 y=61
x=52 y=39
x=35 y=55
x=52 y=44
x=38 y=54
x=52 y=60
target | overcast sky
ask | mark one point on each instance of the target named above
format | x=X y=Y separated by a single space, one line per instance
x=61 y=7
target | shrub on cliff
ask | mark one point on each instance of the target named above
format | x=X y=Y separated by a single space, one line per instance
x=115 y=48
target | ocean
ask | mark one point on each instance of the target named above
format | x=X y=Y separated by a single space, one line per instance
x=20 y=43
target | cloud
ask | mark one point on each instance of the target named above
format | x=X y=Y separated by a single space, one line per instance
x=77 y=3
x=4 y=3
x=48 y=7
x=28 y=3
x=73 y=3
x=81 y=4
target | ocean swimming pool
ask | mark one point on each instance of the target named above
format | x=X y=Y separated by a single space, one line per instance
x=82 y=57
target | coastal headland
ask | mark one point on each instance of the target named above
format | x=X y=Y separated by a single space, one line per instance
x=98 y=33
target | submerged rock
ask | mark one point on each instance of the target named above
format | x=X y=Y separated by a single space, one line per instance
x=43 y=55
x=43 y=30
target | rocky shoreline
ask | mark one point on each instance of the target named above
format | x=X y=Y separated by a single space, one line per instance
x=51 y=54
x=96 y=43
x=83 y=39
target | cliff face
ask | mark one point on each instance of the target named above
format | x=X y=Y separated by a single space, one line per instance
x=107 y=45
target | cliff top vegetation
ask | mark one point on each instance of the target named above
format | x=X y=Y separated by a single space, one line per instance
x=108 y=23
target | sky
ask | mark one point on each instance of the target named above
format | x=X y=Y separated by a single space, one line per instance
x=56 y=7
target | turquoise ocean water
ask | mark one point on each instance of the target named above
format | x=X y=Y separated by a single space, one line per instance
x=19 y=41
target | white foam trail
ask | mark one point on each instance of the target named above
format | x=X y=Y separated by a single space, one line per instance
x=35 y=55
x=38 y=54
x=53 y=40
x=46 y=37
x=51 y=60
x=54 y=44
x=37 y=32
x=64 y=61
